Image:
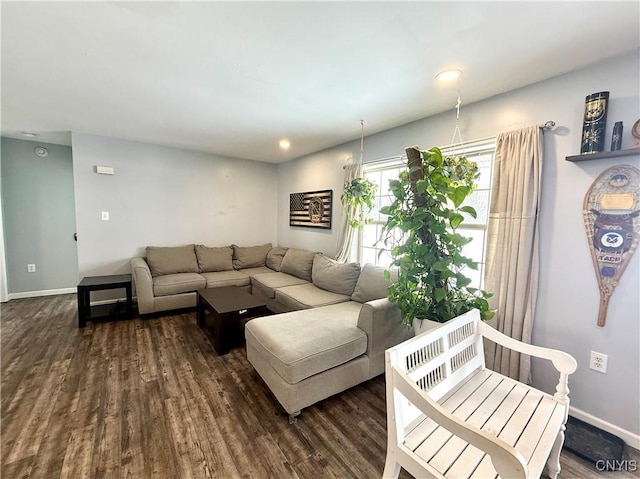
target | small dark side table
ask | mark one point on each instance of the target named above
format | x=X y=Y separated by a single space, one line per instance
x=86 y=312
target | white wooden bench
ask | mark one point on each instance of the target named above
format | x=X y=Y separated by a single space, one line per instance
x=450 y=417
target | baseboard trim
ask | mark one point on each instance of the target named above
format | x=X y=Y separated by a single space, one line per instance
x=630 y=438
x=44 y=292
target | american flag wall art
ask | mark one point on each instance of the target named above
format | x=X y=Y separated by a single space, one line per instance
x=311 y=209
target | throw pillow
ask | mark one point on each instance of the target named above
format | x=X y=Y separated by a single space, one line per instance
x=330 y=275
x=214 y=259
x=250 y=256
x=298 y=262
x=171 y=259
x=274 y=257
x=372 y=284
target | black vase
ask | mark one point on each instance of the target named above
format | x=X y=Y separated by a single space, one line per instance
x=616 y=136
x=595 y=122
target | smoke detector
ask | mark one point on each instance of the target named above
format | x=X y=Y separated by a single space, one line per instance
x=41 y=151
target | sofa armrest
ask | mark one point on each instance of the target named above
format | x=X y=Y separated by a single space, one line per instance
x=380 y=320
x=143 y=283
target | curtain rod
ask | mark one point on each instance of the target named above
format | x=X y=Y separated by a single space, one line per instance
x=381 y=160
x=547 y=126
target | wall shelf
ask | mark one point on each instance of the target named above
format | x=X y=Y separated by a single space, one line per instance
x=604 y=155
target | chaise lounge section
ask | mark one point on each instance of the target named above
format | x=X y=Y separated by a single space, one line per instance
x=310 y=354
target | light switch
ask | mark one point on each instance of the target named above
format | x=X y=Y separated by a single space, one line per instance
x=105 y=216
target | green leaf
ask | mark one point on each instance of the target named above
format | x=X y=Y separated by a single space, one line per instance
x=470 y=210
x=439 y=294
x=455 y=220
x=459 y=195
x=462 y=281
x=439 y=266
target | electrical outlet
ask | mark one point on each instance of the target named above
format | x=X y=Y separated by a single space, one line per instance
x=31 y=268
x=105 y=216
x=598 y=361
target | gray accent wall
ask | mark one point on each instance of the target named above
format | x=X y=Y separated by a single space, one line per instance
x=568 y=298
x=165 y=197
x=38 y=217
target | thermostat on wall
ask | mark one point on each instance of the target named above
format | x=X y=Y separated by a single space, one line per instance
x=104 y=170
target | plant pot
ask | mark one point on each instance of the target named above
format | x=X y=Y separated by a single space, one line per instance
x=423 y=325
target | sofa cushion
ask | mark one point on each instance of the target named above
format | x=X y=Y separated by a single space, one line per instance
x=214 y=259
x=274 y=257
x=269 y=282
x=372 y=284
x=333 y=276
x=305 y=296
x=303 y=343
x=250 y=256
x=254 y=271
x=298 y=262
x=226 y=278
x=177 y=283
x=171 y=259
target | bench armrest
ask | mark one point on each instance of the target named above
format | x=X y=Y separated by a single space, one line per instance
x=563 y=362
x=507 y=461
x=380 y=320
x=143 y=284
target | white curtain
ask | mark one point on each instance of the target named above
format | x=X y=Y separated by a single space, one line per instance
x=512 y=245
x=346 y=232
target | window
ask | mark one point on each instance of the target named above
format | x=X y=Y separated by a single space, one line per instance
x=371 y=250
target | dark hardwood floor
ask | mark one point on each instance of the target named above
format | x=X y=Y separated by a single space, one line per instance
x=151 y=398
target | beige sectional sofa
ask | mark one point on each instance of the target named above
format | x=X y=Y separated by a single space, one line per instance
x=335 y=322
x=168 y=277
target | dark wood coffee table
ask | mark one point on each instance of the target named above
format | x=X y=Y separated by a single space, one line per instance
x=230 y=308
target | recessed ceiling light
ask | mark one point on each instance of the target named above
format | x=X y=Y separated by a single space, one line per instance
x=29 y=134
x=285 y=144
x=448 y=75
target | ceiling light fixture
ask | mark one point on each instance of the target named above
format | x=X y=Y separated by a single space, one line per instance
x=29 y=134
x=285 y=144
x=448 y=75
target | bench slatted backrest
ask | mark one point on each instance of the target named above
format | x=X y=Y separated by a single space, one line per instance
x=436 y=361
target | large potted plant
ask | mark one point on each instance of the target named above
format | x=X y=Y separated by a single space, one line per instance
x=420 y=231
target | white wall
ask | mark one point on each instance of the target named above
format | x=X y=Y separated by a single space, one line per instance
x=319 y=171
x=568 y=296
x=4 y=290
x=38 y=218
x=165 y=197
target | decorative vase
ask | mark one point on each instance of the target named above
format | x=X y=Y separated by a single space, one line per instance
x=616 y=137
x=423 y=325
x=595 y=122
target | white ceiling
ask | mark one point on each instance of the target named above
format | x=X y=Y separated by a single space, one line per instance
x=233 y=78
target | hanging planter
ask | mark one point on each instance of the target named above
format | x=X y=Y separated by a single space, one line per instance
x=359 y=196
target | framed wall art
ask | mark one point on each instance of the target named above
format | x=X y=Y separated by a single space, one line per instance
x=311 y=209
